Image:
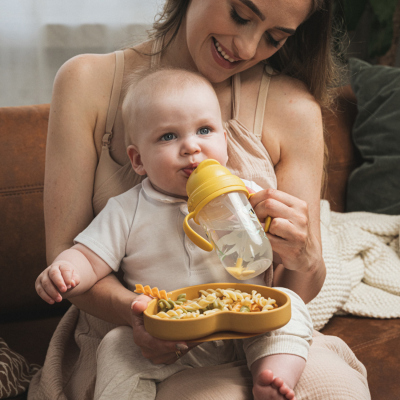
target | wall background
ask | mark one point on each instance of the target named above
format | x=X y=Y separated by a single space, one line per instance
x=38 y=36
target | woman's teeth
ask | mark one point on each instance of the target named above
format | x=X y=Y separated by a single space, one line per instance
x=223 y=54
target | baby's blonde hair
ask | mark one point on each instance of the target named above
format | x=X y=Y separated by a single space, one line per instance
x=143 y=84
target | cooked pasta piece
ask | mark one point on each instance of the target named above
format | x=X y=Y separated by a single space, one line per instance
x=147 y=290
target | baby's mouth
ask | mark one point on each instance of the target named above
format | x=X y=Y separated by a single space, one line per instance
x=189 y=170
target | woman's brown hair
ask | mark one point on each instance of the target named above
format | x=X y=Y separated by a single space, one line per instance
x=307 y=55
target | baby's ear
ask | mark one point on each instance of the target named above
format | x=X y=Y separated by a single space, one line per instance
x=136 y=161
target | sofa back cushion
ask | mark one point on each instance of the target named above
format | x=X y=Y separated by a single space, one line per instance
x=22 y=252
x=375 y=185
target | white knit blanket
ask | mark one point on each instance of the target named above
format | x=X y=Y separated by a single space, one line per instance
x=362 y=257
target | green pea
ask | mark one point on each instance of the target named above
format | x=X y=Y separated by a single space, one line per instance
x=244 y=309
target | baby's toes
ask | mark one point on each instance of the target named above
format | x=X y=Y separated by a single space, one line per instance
x=287 y=392
x=265 y=378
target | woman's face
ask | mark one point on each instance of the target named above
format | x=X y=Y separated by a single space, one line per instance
x=225 y=37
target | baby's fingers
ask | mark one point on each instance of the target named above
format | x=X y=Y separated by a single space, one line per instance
x=46 y=288
x=45 y=296
x=76 y=279
x=68 y=276
x=57 y=275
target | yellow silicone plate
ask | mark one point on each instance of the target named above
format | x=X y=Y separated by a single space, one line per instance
x=222 y=325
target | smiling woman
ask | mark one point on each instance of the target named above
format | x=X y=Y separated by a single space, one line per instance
x=270 y=64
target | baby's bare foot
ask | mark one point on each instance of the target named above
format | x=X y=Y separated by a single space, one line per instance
x=268 y=387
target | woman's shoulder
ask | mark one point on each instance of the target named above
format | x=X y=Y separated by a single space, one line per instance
x=86 y=67
x=94 y=73
x=292 y=117
x=291 y=91
x=84 y=78
x=290 y=97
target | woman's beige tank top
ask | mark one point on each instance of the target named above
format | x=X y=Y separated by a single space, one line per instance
x=248 y=157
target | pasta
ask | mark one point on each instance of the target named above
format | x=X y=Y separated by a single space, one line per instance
x=147 y=290
x=213 y=301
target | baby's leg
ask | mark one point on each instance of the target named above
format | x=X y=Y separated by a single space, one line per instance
x=275 y=376
x=277 y=359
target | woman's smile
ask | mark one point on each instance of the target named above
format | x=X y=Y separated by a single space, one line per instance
x=225 y=52
x=221 y=57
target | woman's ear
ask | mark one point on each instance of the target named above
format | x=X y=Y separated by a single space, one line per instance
x=136 y=161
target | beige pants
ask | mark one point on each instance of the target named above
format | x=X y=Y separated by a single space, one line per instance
x=332 y=371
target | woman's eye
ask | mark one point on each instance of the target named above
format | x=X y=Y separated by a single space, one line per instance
x=204 y=131
x=272 y=41
x=167 y=137
x=237 y=18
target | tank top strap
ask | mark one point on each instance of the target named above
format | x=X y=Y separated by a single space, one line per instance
x=114 y=99
x=156 y=51
x=235 y=95
x=261 y=101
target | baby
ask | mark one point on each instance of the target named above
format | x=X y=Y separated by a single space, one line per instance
x=174 y=122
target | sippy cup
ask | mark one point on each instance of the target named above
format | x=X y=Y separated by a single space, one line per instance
x=218 y=201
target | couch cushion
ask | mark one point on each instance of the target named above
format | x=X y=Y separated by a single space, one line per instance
x=22 y=251
x=375 y=185
x=376 y=343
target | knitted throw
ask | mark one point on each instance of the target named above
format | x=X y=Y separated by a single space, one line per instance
x=362 y=258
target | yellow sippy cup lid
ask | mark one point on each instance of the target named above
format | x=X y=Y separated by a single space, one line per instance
x=208 y=181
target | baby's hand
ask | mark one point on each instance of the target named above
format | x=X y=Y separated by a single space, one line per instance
x=56 y=279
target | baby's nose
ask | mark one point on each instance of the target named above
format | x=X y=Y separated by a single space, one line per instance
x=191 y=146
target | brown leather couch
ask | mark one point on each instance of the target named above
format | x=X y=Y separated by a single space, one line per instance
x=27 y=322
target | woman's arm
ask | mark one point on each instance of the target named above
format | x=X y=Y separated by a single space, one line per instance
x=76 y=124
x=293 y=130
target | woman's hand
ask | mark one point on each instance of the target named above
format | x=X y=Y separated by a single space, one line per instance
x=289 y=233
x=297 y=249
x=156 y=350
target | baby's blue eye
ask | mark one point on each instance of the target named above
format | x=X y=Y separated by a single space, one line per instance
x=167 y=137
x=204 y=131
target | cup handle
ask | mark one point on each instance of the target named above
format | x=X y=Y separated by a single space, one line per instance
x=195 y=237
x=268 y=219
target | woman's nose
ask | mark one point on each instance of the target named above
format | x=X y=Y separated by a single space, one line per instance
x=246 y=45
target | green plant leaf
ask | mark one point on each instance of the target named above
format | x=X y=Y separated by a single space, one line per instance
x=384 y=10
x=380 y=38
x=353 y=10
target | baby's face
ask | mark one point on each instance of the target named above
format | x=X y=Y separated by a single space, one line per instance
x=175 y=132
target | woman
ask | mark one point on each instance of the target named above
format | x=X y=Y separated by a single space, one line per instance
x=228 y=42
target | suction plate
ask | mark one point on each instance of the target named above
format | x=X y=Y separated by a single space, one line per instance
x=222 y=325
